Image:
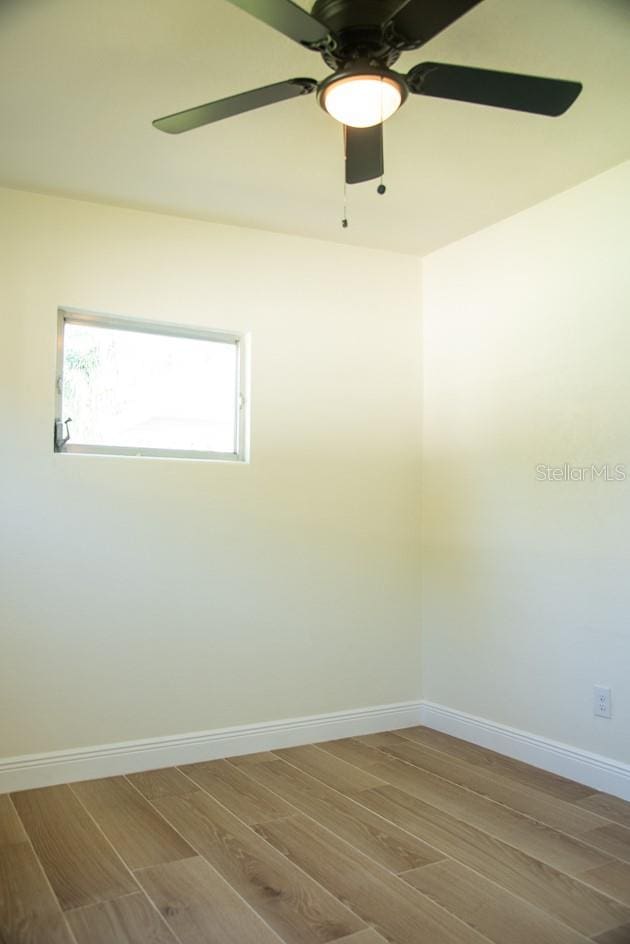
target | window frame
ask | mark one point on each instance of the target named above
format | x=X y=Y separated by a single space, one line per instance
x=169 y=329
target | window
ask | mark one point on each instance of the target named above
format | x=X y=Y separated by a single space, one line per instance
x=134 y=388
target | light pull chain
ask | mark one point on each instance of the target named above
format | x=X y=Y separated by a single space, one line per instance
x=381 y=189
x=344 y=220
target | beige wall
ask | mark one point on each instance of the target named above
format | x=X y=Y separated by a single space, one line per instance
x=526 y=601
x=146 y=597
x=151 y=597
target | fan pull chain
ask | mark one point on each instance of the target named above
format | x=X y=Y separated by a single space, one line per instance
x=381 y=189
x=344 y=220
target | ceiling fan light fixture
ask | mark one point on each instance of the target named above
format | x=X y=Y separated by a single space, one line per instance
x=362 y=100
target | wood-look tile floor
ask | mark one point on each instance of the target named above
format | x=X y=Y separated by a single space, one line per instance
x=408 y=837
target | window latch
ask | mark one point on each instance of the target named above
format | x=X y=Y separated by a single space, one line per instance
x=62 y=435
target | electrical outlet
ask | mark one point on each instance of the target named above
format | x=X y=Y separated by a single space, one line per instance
x=601 y=702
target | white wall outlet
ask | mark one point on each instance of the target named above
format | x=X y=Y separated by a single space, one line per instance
x=601 y=702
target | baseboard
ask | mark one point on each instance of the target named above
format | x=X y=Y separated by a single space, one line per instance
x=593 y=770
x=106 y=760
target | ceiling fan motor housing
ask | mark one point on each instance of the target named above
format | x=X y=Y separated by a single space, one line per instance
x=357 y=30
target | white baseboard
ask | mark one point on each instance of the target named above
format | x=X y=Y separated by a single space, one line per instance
x=593 y=770
x=106 y=760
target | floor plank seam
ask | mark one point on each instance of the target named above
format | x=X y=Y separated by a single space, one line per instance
x=504 y=779
x=92 y=904
x=509 y=777
x=572 y=836
x=401 y=760
x=585 y=938
x=42 y=870
x=201 y=855
x=481 y=874
x=130 y=871
x=528 y=789
x=577 y=878
x=297 y=812
x=414 y=767
x=355 y=850
x=393 y=875
x=584 y=879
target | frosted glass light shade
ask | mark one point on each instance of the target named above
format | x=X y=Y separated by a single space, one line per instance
x=362 y=100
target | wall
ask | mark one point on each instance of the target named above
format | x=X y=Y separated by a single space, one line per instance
x=148 y=597
x=527 y=360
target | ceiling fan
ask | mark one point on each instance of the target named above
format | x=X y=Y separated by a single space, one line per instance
x=361 y=40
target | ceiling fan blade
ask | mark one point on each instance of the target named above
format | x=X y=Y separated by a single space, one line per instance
x=287 y=18
x=415 y=22
x=364 y=153
x=234 y=105
x=528 y=93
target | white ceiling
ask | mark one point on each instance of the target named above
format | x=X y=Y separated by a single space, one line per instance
x=81 y=80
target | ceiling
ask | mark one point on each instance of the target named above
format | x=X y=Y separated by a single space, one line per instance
x=81 y=81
